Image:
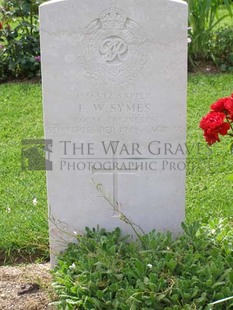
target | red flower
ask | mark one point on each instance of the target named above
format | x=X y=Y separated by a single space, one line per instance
x=1 y=26
x=224 y=129
x=219 y=106
x=213 y=124
x=211 y=138
x=212 y=120
x=229 y=105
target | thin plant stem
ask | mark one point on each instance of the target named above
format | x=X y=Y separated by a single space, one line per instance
x=229 y=124
x=116 y=205
x=31 y=19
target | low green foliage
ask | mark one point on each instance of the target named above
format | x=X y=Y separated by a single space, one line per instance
x=105 y=272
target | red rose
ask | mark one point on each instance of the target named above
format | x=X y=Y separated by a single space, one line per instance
x=219 y=106
x=224 y=129
x=224 y=105
x=229 y=105
x=219 y=121
x=211 y=138
x=213 y=124
x=212 y=121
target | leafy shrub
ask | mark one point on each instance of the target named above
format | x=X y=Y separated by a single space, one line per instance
x=19 y=39
x=22 y=8
x=105 y=272
x=18 y=54
x=222 y=51
x=203 y=17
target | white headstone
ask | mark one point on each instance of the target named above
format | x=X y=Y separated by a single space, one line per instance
x=114 y=90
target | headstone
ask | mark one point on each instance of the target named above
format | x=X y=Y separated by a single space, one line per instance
x=114 y=90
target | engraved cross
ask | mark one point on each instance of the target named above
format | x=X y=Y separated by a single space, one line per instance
x=115 y=188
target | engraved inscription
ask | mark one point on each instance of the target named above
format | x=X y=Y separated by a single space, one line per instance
x=114 y=47
x=113 y=50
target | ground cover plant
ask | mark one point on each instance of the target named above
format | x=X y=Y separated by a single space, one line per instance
x=105 y=272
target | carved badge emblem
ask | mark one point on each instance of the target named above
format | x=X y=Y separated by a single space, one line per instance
x=114 y=47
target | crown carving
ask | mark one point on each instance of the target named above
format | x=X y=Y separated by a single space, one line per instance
x=113 y=18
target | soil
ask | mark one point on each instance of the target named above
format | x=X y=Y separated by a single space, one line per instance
x=26 y=287
x=205 y=67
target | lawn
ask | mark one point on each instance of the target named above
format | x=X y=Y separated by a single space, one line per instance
x=23 y=224
x=228 y=21
x=209 y=193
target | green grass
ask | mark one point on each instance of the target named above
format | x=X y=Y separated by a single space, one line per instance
x=23 y=226
x=209 y=193
x=228 y=21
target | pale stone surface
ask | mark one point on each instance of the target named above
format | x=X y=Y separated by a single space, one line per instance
x=114 y=71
